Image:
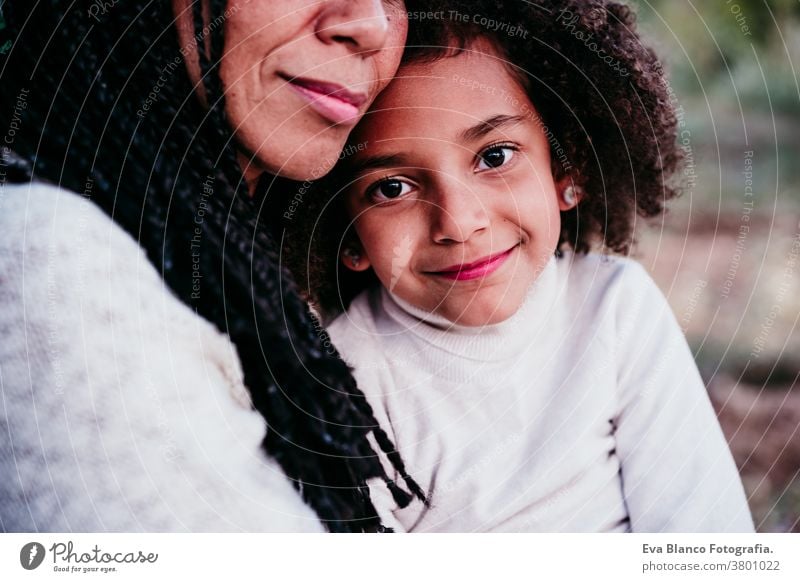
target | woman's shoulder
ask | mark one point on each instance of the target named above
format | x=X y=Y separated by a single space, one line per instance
x=60 y=248
x=143 y=398
x=65 y=265
x=50 y=233
x=38 y=215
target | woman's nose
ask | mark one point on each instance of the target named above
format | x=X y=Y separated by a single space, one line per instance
x=361 y=24
x=457 y=215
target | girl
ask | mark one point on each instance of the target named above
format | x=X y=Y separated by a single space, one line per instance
x=529 y=384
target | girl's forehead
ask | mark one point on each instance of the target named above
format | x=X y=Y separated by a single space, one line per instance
x=474 y=68
x=471 y=84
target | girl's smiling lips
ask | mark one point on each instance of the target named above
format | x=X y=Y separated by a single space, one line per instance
x=332 y=101
x=476 y=269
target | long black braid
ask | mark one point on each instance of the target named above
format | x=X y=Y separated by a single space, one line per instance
x=110 y=112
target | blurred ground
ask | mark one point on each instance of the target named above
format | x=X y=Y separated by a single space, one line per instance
x=742 y=326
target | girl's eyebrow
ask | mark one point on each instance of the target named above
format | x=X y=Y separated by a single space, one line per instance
x=486 y=126
x=477 y=131
x=376 y=162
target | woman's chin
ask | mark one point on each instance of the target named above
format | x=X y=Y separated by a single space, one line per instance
x=298 y=158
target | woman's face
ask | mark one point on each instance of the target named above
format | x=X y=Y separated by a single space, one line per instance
x=298 y=75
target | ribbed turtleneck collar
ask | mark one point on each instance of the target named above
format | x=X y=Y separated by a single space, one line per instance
x=499 y=341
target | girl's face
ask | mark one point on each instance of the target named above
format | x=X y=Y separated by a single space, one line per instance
x=299 y=74
x=453 y=198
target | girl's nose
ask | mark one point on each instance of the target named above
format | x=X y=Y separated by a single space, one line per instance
x=457 y=214
x=361 y=24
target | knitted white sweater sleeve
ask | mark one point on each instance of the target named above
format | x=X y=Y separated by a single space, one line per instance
x=677 y=470
x=122 y=410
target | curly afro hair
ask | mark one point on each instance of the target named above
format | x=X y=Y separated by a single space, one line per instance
x=605 y=106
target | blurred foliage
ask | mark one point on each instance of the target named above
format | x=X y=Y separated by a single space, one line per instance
x=785 y=511
x=748 y=49
x=735 y=67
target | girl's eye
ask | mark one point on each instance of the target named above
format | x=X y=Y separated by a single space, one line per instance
x=495 y=156
x=389 y=189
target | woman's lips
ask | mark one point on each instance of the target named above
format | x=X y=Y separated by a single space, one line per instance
x=331 y=101
x=477 y=269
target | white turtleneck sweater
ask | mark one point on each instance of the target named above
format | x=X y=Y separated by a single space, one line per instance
x=583 y=412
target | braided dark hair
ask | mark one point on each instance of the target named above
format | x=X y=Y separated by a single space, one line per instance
x=110 y=112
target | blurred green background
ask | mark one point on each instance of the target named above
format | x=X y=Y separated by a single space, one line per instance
x=727 y=254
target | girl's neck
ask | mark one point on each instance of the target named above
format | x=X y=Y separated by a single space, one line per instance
x=488 y=342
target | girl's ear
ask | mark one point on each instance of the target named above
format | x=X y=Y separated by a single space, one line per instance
x=569 y=192
x=354 y=258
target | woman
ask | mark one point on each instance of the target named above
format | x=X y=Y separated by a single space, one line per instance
x=140 y=292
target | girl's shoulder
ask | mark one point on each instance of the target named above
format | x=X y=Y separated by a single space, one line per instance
x=614 y=289
x=608 y=277
x=603 y=268
x=355 y=330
